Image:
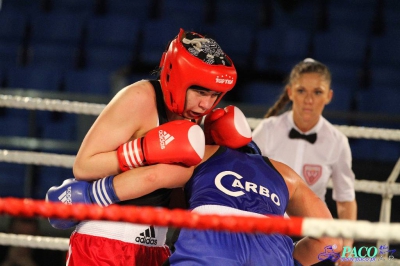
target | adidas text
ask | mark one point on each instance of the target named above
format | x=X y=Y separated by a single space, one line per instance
x=165 y=138
x=146 y=240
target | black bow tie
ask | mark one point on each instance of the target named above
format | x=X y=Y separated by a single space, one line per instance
x=294 y=134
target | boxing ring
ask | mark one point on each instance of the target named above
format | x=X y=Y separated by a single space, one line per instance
x=377 y=233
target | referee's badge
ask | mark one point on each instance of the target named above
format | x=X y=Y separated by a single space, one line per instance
x=312 y=173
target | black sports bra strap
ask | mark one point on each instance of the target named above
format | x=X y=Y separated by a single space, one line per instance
x=162 y=113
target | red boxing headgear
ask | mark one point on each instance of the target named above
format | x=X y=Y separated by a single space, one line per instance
x=181 y=69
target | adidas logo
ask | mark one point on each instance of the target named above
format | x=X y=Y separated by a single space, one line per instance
x=165 y=138
x=65 y=197
x=147 y=237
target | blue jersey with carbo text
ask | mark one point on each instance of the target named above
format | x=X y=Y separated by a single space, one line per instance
x=247 y=182
x=240 y=182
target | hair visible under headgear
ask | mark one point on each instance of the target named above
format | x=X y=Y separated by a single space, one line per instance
x=308 y=65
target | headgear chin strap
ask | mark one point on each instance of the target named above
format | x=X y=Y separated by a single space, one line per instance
x=193 y=60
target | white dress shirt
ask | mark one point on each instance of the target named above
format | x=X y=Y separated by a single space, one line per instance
x=328 y=157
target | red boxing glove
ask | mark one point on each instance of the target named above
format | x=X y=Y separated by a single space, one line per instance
x=227 y=127
x=179 y=141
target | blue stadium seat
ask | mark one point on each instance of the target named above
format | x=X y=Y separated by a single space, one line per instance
x=88 y=81
x=9 y=55
x=12 y=178
x=346 y=81
x=134 y=9
x=12 y=26
x=190 y=15
x=379 y=99
x=294 y=47
x=341 y=46
x=112 y=31
x=343 y=94
x=260 y=92
x=385 y=49
x=14 y=126
x=374 y=149
x=342 y=103
x=46 y=79
x=59 y=131
x=156 y=36
x=391 y=18
x=108 y=58
x=349 y=75
x=57 y=126
x=303 y=16
x=357 y=16
x=139 y=76
x=279 y=49
x=388 y=151
x=237 y=43
x=267 y=46
x=57 y=28
x=383 y=76
x=238 y=12
x=82 y=7
x=48 y=177
x=55 y=56
x=2 y=75
x=24 y=7
x=391 y=9
x=392 y=4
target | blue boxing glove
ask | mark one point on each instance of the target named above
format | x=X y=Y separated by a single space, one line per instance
x=71 y=191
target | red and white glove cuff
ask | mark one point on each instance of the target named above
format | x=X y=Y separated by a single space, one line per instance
x=131 y=155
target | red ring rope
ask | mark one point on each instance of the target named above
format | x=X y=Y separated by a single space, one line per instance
x=150 y=215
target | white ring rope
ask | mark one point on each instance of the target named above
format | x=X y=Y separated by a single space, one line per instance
x=375 y=187
x=55 y=243
x=313 y=227
x=360 y=230
x=353 y=131
x=51 y=159
x=31 y=103
x=37 y=158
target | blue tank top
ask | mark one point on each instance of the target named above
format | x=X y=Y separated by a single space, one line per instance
x=246 y=182
x=234 y=179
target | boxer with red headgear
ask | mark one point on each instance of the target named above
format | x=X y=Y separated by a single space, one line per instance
x=194 y=61
x=194 y=75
